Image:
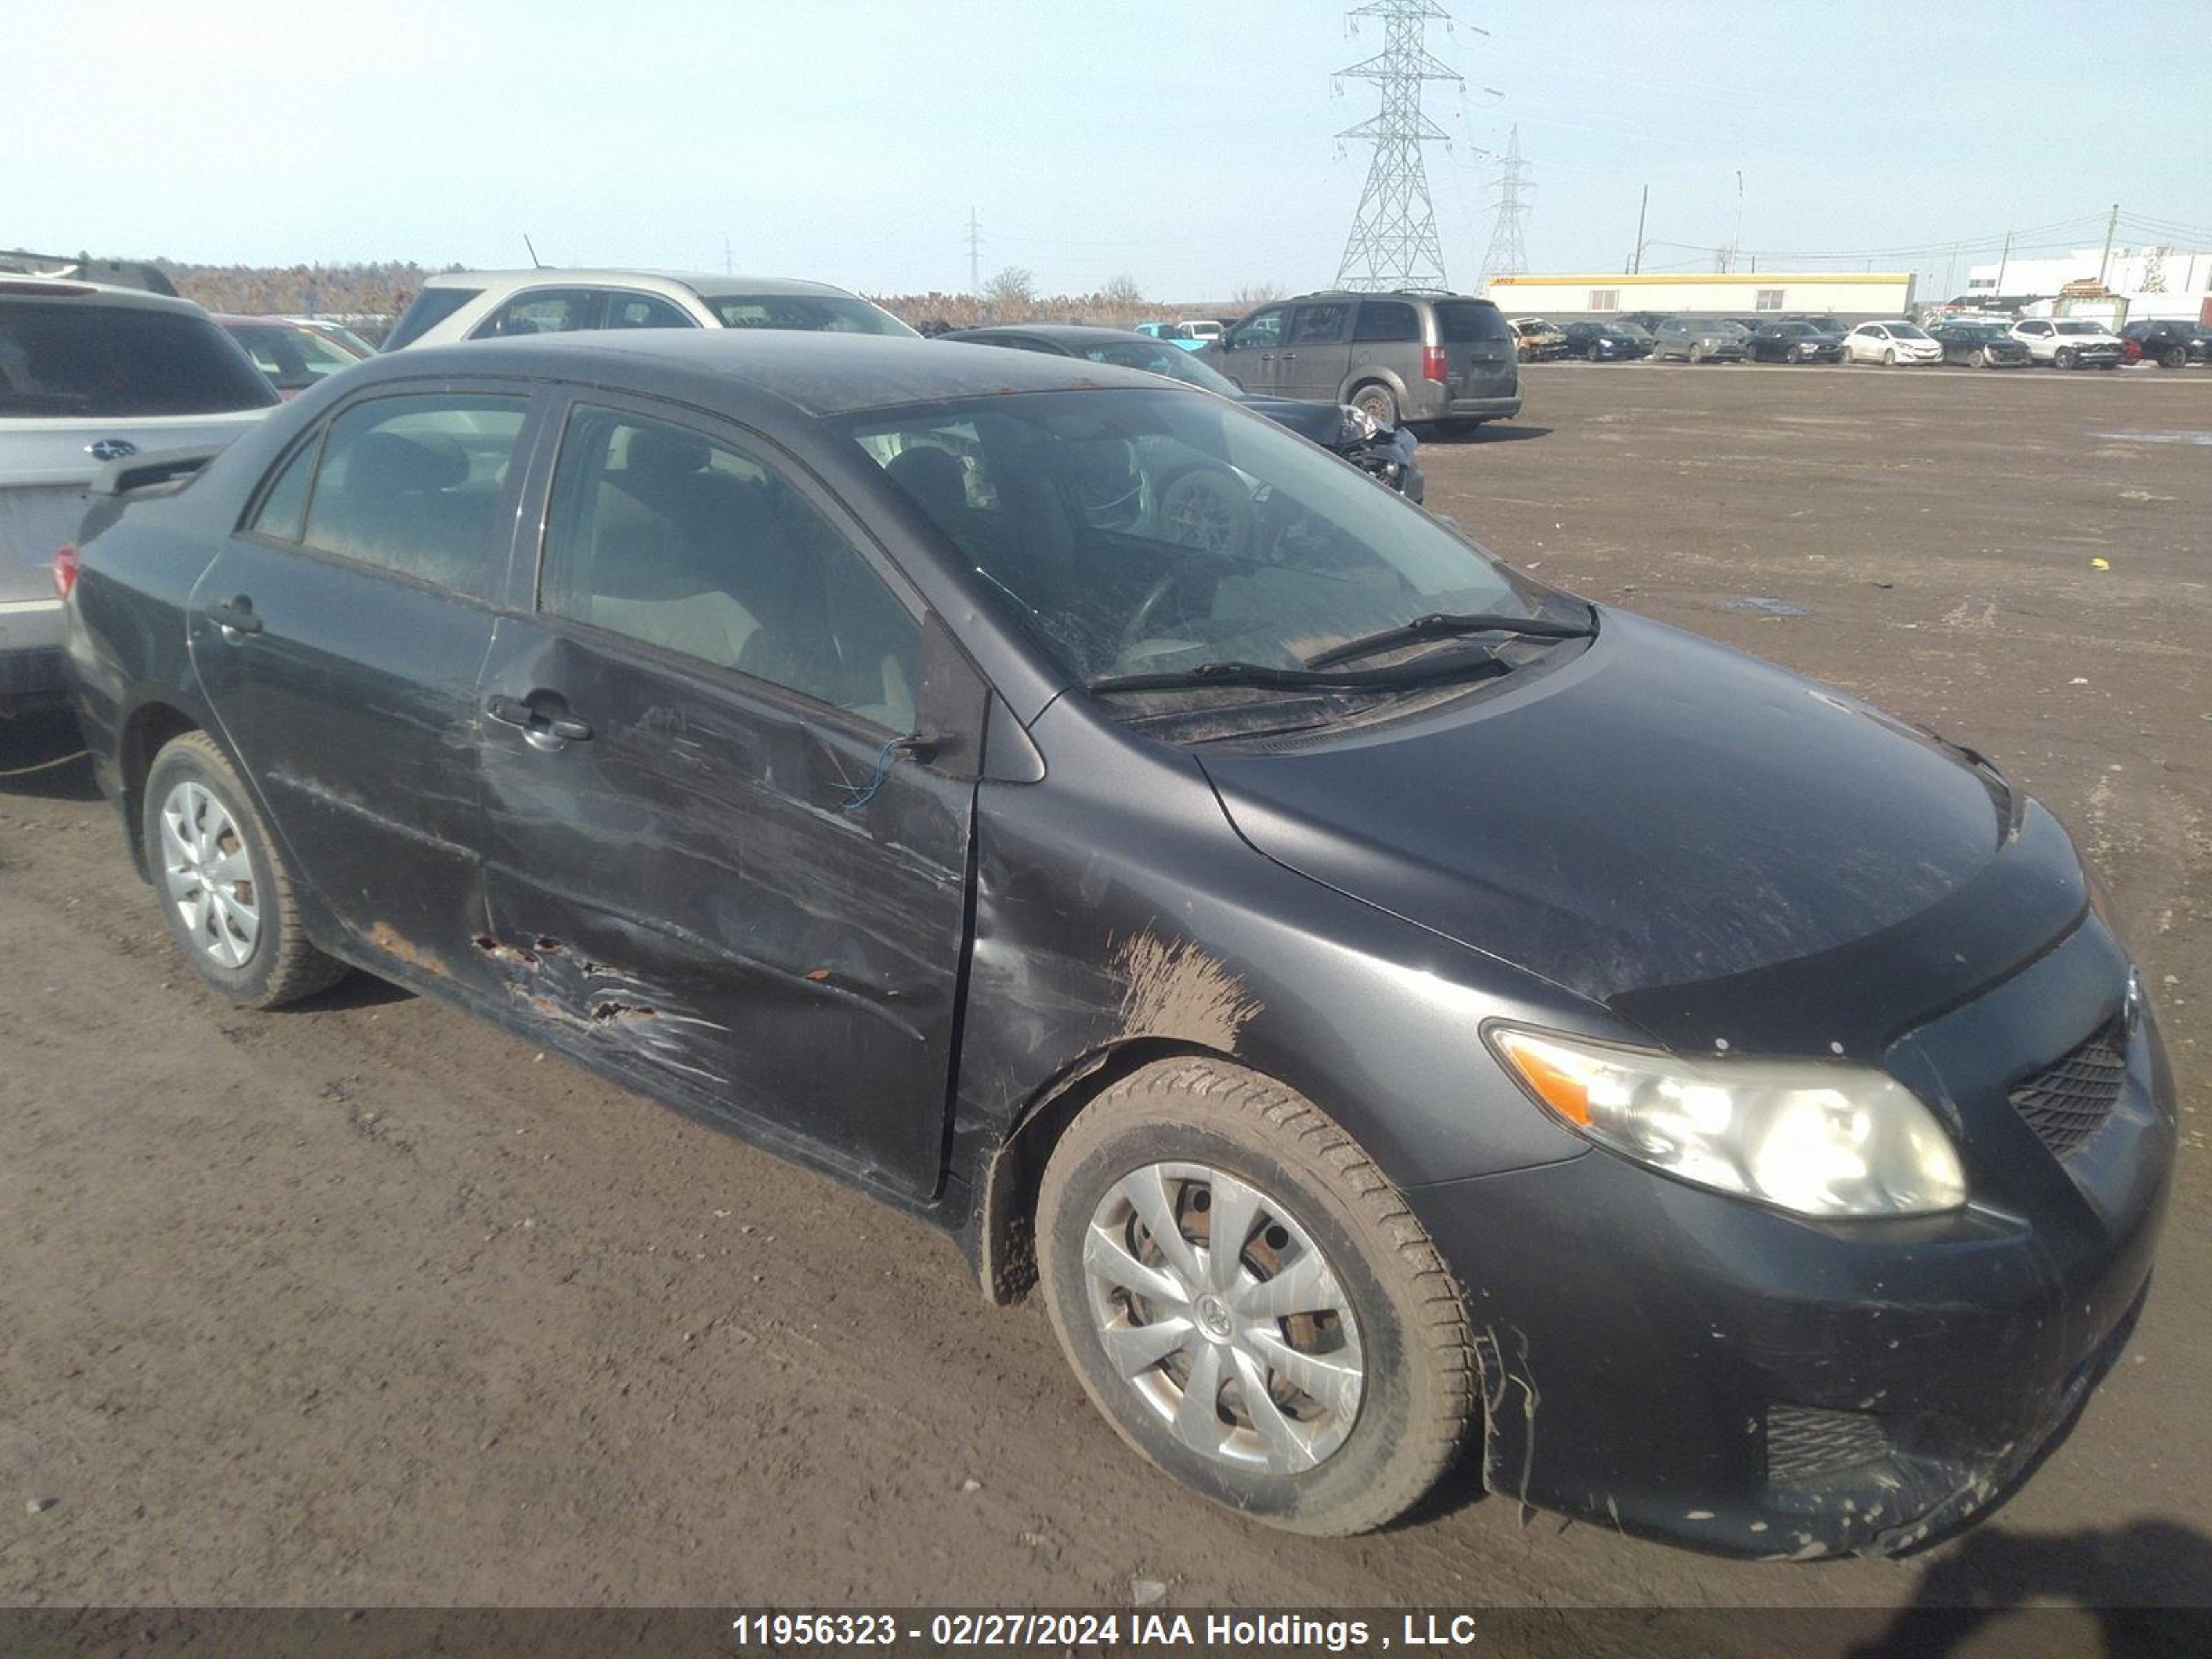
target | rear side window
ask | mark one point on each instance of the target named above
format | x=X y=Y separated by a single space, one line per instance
x=431 y=307
x=816 y=314
x=1382 y=320
x=412 y=485
x=1462 y=321
x=284 y=509
x=644 y=310
x=63 y=358
x=667 y=537
x=1321 y=324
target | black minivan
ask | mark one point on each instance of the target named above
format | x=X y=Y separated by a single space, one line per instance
x=1382 y=1000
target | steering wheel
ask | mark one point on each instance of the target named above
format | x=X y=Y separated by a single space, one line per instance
x=1141 y=619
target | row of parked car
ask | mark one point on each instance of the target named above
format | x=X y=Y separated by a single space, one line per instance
x=1984 y=341
x=91 y=375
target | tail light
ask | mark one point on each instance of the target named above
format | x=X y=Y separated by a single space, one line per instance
x=65 y=569
x=1432 y=364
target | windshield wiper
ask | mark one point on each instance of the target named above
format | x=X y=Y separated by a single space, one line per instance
x=1439 y=666
x=1445 y=625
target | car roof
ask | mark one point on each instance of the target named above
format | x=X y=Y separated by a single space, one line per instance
x=696 y=282
x=739 y=370
x=62 y=288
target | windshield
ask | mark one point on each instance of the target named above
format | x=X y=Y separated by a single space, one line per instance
x=1170 y=361
x=1137 y=532
x=294 y=358
x=1792 y=331
x=818 y=313
x=111 y=361
x=2080 y=328
x=1904 y=331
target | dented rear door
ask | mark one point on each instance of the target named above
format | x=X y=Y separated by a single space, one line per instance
x=717 y=884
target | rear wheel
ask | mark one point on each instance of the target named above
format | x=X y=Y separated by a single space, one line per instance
x=1250 y=1303
x=1379 y=401
x=225 y=891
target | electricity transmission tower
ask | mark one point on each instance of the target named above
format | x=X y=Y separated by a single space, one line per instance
x=1507 y=255
x=1394 y=242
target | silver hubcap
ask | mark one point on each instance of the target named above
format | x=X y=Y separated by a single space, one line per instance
x=210 y=881
x=1225 y=1317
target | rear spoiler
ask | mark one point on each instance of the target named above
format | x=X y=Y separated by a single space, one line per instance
x=135 y=473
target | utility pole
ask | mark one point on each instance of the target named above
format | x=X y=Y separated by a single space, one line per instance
x=1394 y=242
x=2110 y=224
x=975 y=253
x=728 y=268
x=1636 y=260
x=1507 y=255
x=2003 y=259
x=1736 y=234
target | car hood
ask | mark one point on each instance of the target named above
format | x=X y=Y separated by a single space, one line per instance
x=1701 y=841
x=1318 y=421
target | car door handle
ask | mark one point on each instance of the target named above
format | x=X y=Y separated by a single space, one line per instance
x=235 y=617
x=535 y=722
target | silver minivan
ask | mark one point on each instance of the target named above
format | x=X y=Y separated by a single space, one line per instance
x=1400 y=357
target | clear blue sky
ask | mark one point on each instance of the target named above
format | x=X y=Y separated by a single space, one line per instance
x=1188 y=144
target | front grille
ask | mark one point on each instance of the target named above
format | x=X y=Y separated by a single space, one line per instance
x=2068 y=1101
x=1806 y=1444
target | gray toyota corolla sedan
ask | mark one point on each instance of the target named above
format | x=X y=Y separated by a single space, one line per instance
x=1383 y=1000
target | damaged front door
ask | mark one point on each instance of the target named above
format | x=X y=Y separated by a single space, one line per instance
x=711 y=866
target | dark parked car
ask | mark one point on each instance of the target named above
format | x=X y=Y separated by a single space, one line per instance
x=1382 y=998
x=1793 y=343
x=1349 y=430
x=2169 y=343
x=1980 y=345
x=1403 y=356
x=1606 y=342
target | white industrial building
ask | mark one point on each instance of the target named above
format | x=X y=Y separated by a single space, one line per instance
x=1853 y=296
x=2155 y=282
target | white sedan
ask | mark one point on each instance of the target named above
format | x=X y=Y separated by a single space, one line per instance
x=1890 y=345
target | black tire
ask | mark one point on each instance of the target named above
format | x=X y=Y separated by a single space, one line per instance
x=2173 y=357
x=1698 y=353
x=1415 y=1347
x=1380 y=401
x=281 y=966
x=1594 y=355
x=1889 y=358
x=2063 y=357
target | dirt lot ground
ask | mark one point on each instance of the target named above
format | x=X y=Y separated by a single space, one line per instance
x=368 y=1304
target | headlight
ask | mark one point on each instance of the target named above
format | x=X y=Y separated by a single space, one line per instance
x=1824 y=1138
x=1357 y=426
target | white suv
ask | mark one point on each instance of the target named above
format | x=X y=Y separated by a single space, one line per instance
x=90 y=374
x=2069 y=342
x=483 y=305
x=1890 y=343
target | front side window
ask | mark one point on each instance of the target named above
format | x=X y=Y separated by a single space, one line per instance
x=1129 y=531
x=666 y=536
x=541 y=311
x=412 y=485
x=1262 y=328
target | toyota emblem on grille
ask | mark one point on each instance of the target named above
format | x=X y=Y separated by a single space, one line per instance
x=111 y=449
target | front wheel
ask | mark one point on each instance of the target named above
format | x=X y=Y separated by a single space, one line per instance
x=1250 y=1303
x=1889 y=358
x=1697 y=354
x=2173 y=357
x=225 y=890
x=2063 y=357
x=1594 y=355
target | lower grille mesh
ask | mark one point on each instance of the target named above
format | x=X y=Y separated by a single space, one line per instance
x=2068 y=1101
x=1806 y=1444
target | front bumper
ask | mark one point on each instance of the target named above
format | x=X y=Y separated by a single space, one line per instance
x=1391 y=461
x=1688 y=1367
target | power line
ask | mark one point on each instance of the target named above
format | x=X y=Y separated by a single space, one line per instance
x=1508 y=256
x=1394 y=242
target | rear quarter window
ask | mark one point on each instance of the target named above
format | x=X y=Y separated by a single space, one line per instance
x=74 y=358
x=431 y=307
